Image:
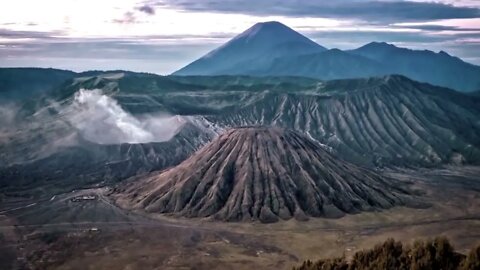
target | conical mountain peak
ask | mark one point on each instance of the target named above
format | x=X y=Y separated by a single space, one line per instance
x=256 y=47
x=265 y=174
x=272 y=28
x=375 y=46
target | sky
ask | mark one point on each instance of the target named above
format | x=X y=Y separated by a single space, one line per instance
x=161 y=36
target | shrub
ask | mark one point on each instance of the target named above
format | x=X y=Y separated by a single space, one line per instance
x=437 y=254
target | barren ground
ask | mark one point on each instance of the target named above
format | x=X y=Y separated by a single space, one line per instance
x=58 y=233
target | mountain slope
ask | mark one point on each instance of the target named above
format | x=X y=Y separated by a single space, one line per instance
x=379 y=121
x=46 y=144
x=475 y=93
x=273 y=49
x=256 y=47
x=264 y=174
x=327 y=65
x=385 y=121
x=423 y=65
x=23 y=83
x=84 y=164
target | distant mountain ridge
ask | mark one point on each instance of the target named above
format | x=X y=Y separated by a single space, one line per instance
x=23 y=83
x=273 y=49
x=423 y=65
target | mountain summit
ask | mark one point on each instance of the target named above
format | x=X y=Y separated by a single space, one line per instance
x=256 y=47
x=438 y=68
x=268 y=34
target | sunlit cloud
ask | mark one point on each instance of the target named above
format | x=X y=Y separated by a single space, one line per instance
x=161 y=36
x=370 y=10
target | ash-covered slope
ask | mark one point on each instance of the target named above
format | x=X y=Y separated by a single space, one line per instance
x=266 y=174
x=75 y=137
x=86 y=163
x=382 y=121
x=385 y=121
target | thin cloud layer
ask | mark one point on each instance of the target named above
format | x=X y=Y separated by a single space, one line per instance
x=160 y=36
x=147 y=9
x=372 y=11
x=128 y=18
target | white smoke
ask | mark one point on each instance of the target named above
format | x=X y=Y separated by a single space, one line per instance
x=100 y=119
x=7 y=115
x=7 y=122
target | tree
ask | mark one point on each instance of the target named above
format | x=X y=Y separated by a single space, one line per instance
x=437 y=254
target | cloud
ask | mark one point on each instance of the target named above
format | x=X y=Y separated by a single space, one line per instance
x=100 y=119
x=458 y=44
x=128 y=18
x=436 y=27
x=8 y=112
x=162 y=54
x=373 y=11
x=158 y=54
x=147 y=9
x=359 y=37
x=16 y=34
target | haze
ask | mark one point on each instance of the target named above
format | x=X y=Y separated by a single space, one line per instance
x=161 y=36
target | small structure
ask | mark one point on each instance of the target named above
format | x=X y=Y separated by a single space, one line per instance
x=82 y=198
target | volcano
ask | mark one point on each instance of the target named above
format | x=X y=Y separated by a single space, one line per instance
x=264 y=174
x=256 y=47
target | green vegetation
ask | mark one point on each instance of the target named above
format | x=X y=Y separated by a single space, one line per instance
x=422 y=255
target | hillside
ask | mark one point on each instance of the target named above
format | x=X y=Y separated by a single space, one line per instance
x=327 y=65
x=376 y=122
x=256 y=47
x=265 y=174
x=23 y=83
x=424 y=65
